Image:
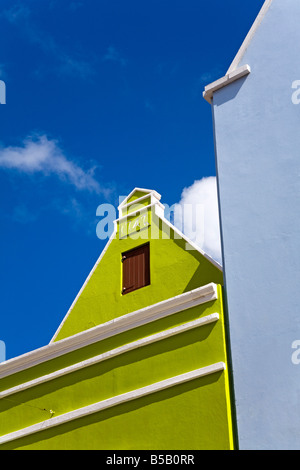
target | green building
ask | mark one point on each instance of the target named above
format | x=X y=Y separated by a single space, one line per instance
x=139 y=361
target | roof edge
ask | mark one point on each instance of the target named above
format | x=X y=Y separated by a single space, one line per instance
x=262 y=13
x=123 y=323
x=192 y=244
x=53 y=339
x=113 y=235
x=143 y=190
x=224 y=81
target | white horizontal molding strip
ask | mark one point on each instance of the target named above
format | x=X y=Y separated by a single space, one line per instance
x=106 y=330
x=113 y=353
x=140 y=199
x=114 y=401
x=224 y=81
x=139 y=211
x=148 y=192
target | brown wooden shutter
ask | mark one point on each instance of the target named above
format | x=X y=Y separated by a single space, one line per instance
x=136 y=269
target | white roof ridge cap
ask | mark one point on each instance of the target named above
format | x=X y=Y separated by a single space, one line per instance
x=226 y=80
x=149 y=191
x=245 y=44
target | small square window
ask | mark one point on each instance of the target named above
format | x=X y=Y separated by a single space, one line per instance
x=136 y=268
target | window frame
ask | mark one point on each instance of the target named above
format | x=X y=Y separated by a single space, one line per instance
x=129 y=254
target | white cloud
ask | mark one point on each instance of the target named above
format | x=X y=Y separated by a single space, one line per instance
x=42 y=155
x=113 y=55
x=21 y=16
x=16 y=12
x=201 y=195
x=75 y=5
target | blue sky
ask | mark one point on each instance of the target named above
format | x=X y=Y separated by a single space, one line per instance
x=102 y=96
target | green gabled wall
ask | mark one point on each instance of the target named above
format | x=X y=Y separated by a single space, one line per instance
x=173 y=271
x=191 y=415
x=195 y=415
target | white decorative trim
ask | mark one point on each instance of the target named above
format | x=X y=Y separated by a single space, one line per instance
x=148 y=191
x=111 y=328
x=138 y=211
x=250 y=36
x=234 y=73
x=113 y=353
x=159 y=211
x=192 y=244
x=153 y=195
x=114 y=401
x=224 y=81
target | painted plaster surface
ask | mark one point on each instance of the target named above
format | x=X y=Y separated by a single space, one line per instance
x=156 y=422
x=257 y=142
x=174 y=270
x=199 y=410
x=191 y=415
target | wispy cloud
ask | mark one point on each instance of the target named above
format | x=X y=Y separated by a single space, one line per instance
x=80 y=212
x=205 y=78
x=80 y=68
x=113 y=55
x=73 y=6
x=16 y=12
x=149 y=105
x=212 y=75
x=44 y=156
x=22 y=214
x=67 y=64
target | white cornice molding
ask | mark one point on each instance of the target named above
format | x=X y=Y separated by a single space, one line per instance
x=113 y=353
x=151 y=195
x=138 y=211
x=148 y=192
x=114 y=401
x=235 y=72
x=250 y=36
x=113 y=327
x=224 y=81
